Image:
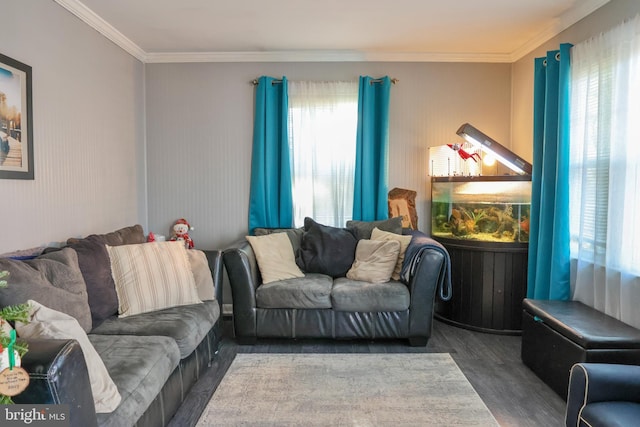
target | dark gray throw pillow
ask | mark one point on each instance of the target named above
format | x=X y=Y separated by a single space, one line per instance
x=326 y=250
x=95 y=265
x=53 y=279
x=363 y=229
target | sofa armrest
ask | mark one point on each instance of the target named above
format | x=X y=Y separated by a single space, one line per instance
x=58 y=375
x=425 y=271
x=422 y=245
x=214 y=257
x=244 y=278
x=600 y=382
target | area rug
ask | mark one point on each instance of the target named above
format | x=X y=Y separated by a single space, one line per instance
x=345 y=390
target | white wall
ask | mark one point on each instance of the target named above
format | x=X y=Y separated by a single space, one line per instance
x=603 y=19
x=200 y=125
x=88 y=133
x=93 y=104
x=89 y=127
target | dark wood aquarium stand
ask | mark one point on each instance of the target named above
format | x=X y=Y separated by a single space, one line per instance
x=489 y=282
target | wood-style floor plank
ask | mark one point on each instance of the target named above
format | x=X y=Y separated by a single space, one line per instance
x=491 y=363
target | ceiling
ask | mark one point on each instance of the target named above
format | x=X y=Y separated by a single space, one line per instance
x=330 y=30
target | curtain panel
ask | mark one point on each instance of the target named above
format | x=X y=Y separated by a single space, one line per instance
x=605 y=172
x=270 y=199
x=322 y=135
x=372 y=150
x=549 y=261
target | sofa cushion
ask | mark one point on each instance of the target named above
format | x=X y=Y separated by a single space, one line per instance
x=53 y=279
x=352 y=295
x=275 y=257
x=93 y=260
x=608 y=413
x=47 y=323
x=326 y=250
x=375 y=260
x=201 y=274
x=96 y=268
x=139 y=366
x=187 y=325
x=378 y=234
x=151 y=277
x=24 y=254
x=311 y=291
x=363 y=229
x=123 y=236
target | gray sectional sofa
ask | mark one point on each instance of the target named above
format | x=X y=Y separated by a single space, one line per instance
x=153 y=358
x=329 y=305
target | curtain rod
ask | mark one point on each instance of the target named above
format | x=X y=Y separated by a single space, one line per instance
x=274 y=82
x=393 y=80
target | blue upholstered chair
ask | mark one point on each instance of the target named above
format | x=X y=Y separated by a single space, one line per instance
x=602 y=394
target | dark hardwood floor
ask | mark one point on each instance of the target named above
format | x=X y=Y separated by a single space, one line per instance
x=491 y=362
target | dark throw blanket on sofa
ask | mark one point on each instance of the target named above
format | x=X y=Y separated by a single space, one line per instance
x=419 y=243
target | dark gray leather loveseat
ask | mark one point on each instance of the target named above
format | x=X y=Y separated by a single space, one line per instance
x=373 y=311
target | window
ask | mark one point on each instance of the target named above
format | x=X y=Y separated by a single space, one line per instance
x=323 y=120
x=605 y=150
x=604 y=174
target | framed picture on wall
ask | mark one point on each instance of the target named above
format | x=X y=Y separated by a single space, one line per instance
x=16 y=120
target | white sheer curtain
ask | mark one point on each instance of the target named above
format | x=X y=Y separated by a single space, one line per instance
x=323 y=117
x=605 y=172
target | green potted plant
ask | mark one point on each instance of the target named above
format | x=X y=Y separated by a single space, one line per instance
x=13 y=313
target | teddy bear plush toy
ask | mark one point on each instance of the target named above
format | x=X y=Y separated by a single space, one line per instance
x=180 y=232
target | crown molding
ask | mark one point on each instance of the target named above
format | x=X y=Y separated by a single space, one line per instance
x=582 y=10
x=323 y=56
x=90 y=18
x=76 y=7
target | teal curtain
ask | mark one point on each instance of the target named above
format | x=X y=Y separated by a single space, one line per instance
x=270 y=200
x=549 y=262
x=372 y=150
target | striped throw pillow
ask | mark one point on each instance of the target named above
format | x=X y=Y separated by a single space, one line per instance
x=152 y=276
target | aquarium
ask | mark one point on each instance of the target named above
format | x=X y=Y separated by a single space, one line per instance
x=481 y=208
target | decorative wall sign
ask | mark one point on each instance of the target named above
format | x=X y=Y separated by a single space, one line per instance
x=13 y=381
x=16 y=120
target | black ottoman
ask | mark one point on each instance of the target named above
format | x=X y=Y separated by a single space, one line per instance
x=558 y=334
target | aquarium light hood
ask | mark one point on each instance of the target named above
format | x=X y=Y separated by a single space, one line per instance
x=495 y=149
